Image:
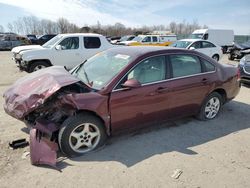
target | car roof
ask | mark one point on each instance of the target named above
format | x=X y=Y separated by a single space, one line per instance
x=80 y=34
x=137 y=51
x=192 y=40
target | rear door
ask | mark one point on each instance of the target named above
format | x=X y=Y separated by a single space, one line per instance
x=137 y=107
x=189 y=84
x=91 y=46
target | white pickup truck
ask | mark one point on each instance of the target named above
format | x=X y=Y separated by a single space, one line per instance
x=65 y=49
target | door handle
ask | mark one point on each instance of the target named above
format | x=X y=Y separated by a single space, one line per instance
x=204 y=80
x=162 y=89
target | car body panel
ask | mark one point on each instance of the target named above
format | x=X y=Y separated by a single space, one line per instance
x=209 y=51
x=31 y=91
x=47 y=98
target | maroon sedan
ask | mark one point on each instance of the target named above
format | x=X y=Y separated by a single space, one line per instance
x=121 y=88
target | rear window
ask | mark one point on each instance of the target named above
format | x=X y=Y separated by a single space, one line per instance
x=209 y=67
x=185 y=65
x=92 y=42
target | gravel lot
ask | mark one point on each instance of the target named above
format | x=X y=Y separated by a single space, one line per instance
x=209 y=154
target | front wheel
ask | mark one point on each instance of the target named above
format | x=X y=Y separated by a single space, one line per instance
x=210 y=107
x=81 y=134
x=37 y=65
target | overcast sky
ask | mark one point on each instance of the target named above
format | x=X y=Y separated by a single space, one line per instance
x=217 y=14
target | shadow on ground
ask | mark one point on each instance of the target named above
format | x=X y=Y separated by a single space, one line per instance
x=130 y=149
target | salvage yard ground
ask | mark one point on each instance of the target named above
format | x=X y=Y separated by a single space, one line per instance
x=208 y=154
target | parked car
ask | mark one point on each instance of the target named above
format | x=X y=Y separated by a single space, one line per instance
x=33 y=38
x=67 y=50
x=220 y=37
x=124 y=38
x=9 y=41
x=42 y=39
x=151 y=40
x=119 y=89
x=203 y=46
x=238 y=51
x=244 y=69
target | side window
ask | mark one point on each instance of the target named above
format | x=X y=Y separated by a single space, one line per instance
x=196 y=45
x=150 y=70
x=147 y=39
x=92 y=42
x=209 y=67
x=184 y=65
x=70 y=43
x=207 y=45
x=155 y=39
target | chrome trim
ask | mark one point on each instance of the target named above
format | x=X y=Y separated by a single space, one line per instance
x=169 y=79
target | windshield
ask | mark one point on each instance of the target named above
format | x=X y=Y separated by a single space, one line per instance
x=181 y=44
x=138 y=38
x=99 y=70
x=196 y=36
x=52 y=41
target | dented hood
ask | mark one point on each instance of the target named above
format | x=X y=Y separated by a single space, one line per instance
x=29 y=92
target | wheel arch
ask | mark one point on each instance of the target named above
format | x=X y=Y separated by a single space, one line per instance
x=222 y=92
x=36 y=60
x=217 y=56
x=92 y=113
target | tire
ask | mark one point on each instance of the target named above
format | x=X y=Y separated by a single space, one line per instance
x=216 y=57
x=230 y=56
x=224 y=49
x=81 y=134
x=210 y=107
x=37 y=65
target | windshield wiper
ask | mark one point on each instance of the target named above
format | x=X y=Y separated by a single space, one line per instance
x=86 y=76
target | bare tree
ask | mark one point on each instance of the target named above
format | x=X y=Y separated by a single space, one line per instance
x=1 y=29
x=63 y=25
x=10 y=27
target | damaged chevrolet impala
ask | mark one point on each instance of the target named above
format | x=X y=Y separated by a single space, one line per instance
x=118 y=89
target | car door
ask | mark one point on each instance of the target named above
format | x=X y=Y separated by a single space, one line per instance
x=189 y=84
x=147 y=40
x=137 y=107
x=69 y=54
x=198 y=47
x=91 y=46
x=210 y=48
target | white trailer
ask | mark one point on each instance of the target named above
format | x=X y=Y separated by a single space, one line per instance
x=221 y=37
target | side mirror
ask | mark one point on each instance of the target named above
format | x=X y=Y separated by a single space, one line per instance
x=192 y=48
x=58 y=47
x=131 y=83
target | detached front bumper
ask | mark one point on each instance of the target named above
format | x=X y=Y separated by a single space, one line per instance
x=43 y=145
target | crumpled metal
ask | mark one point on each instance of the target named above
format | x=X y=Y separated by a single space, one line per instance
x=31 y=91
x=42 y=149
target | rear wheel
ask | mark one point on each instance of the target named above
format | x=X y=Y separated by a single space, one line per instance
x=210 y=107
x=37 y=65
x=215 y=57
x=81 y=134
